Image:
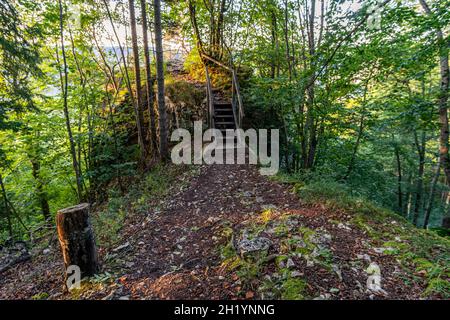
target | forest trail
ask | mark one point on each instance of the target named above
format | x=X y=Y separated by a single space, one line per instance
x=179 y=246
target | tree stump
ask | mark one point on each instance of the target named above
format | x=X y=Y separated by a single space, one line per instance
x=76 y=238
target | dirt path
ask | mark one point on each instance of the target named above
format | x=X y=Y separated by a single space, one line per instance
x=180 y=245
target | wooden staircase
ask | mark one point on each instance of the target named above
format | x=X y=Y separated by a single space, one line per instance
x=223 y=116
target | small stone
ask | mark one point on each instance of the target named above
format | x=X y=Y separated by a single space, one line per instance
x=337 y=271
x=109 y=296
x=325 y=296
x=383 y=250
x=46 y=251
x=119 y=248
x=334 y=290
x=296 y=274
x=344 y=227
x=212 y=219
x=290 y=263
x=365 y=257
x=124 y=298
x=268 y=207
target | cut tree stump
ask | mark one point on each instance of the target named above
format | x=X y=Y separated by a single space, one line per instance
x=76 y=238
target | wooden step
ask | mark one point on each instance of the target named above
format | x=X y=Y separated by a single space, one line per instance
x=224 y=116
x=224 y=122
x=222 y=103
x=224 y=110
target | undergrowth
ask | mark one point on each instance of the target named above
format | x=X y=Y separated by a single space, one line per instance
x=142 y=194
x=422 y=253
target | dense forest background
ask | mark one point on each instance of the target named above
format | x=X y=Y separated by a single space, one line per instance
x=358 y=89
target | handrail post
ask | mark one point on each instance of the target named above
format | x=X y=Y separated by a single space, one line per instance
x=210 y=99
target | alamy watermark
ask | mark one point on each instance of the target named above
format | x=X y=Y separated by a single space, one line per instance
x=233 y=147
x=73 y=277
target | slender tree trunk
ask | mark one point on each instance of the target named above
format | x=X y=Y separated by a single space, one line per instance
x=356 y=146
x=419 y=191
x=408 y=197
x=83 y=83
x=360 y=131
x=443 y=97
x=432 y=192
x=137 y=71
x=150 y=81
x=219 y=29
x=64 y=88
x=399 y=179
x=310 y=129
x=193 y=17
x=274 y=32
x=286 y=38
x=42 y=195
x=163 y=134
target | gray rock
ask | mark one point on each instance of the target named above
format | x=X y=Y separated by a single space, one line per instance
x=247 y=246
x=309 y=263
x=325 y=296
x=290 y=263
x=344 y=227
x=124 y=246
x=296 y=274
x=337 y=271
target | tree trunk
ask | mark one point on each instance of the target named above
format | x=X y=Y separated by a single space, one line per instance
x=408 y=197
x=42 y=195
x=286 y=38
x=443 y=97
x=310 y=129
x=64 y=88
x=419 y=191
x=163 y=134
x=137 y=71
x=193 y=18
x=150 y=81
x=274 y=39
x=360 y=132
x=432 y=192
x=399 y=180
x=77 y=240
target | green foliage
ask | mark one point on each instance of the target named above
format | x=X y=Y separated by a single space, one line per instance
x=293 y=289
